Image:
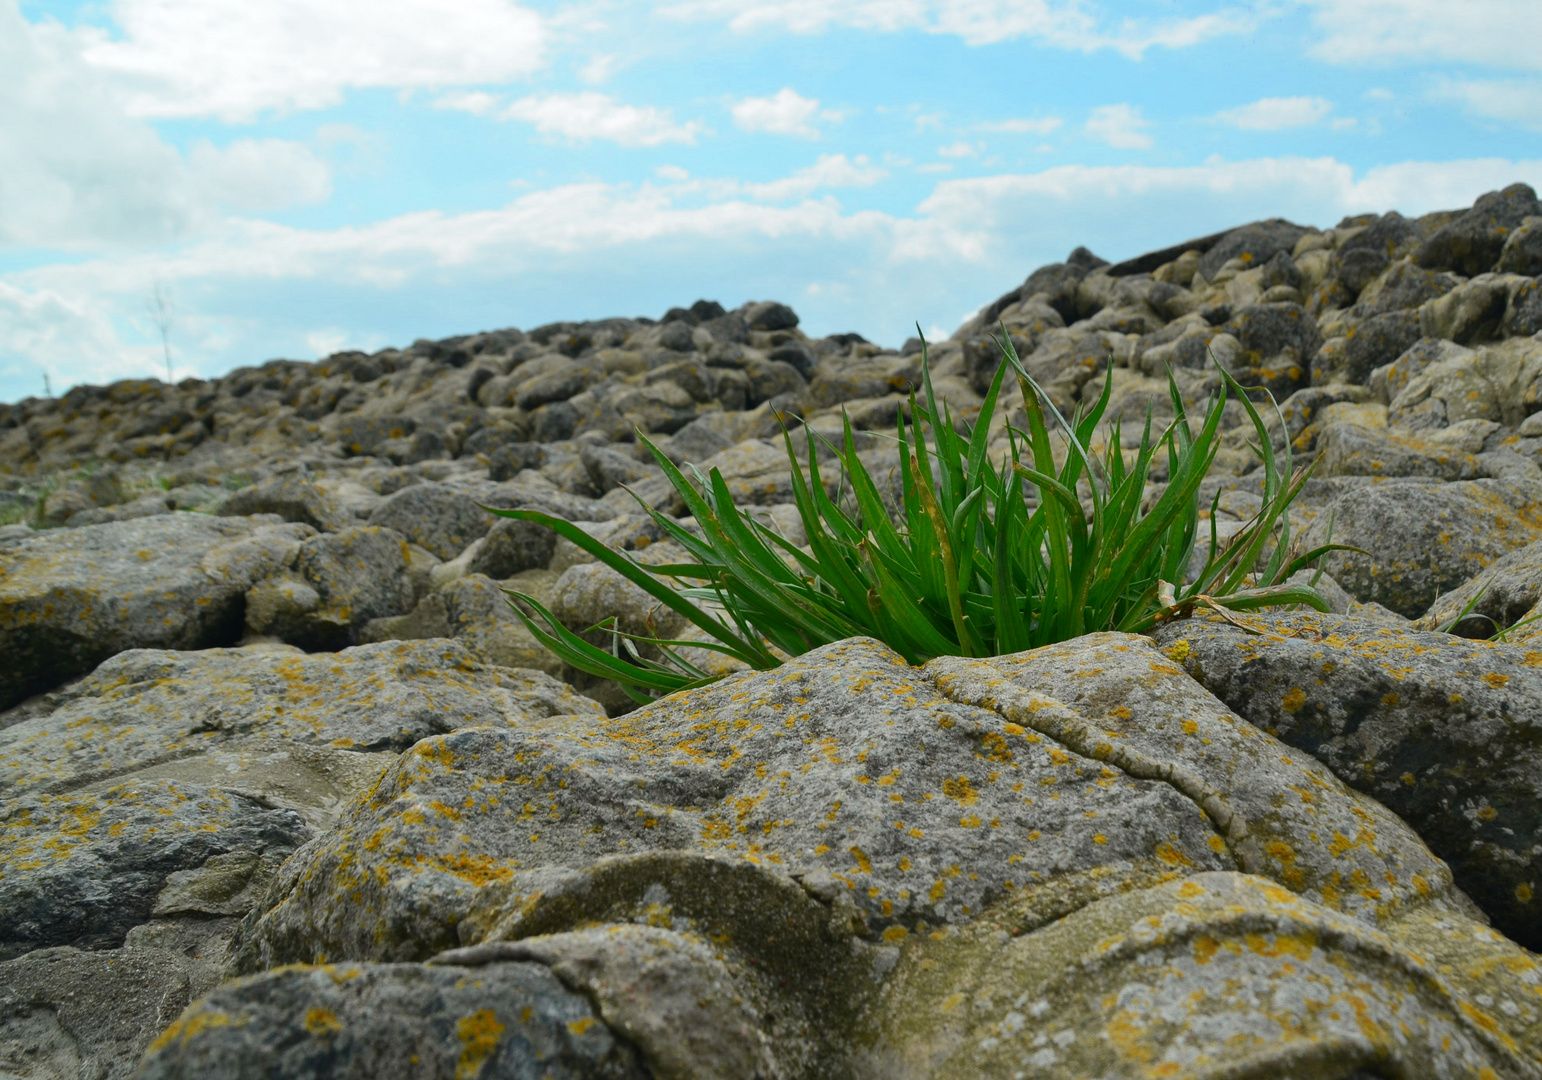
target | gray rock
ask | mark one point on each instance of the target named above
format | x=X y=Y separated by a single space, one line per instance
x=162 y=713
x=69 y=600
x=1350 y=449
x=434 y=517
x=83 y=868
x=144 y=506
x=356 y=575
x=1439 y=729
x=291 y=497
x=65 y=1013
x=1501 y=594
x=1406 y=286
x=609 y=468
x=769 y=315
x=1424 y=538
x=1256 y=244
x=1522 y=253
x=477 y=614
x=1523 y=316
x=513 y=1021
x=1364 y=256
x=513 y=546
x=1473 y=242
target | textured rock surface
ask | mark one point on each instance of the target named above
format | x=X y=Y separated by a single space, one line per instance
x=69 y=600
x=1441 y=730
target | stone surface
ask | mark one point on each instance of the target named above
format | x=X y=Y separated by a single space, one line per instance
x=1424 y=538
x=1440 y=729
x=434 y=517
x=71 y=599
x=376 y=1020
x=293 y=498
x=83 y=868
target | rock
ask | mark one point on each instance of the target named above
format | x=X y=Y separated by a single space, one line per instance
x=510 y=1020
x=1351 y=448
x=291 y=497
x=434 y=517
x=1379 y=340
x=1502 y=594
x=1523 y=316
x=1500 y=382
x=1471 y=313
x=340 y=581
x=83 y=868
x=592 y=592
x=144 y=506
x=1391 y=380
x=1255 y=244
x=238 y=715
x=511 y=457
x=609 y=468
x=1363 y=257
x=513 y=546
x=1522 y=253
x=66 y=1013
x=69 y=600
x=1437 y=728
x=477 y=614
x=1473 y=242
x=1405 y=286
x=769 y=315
x=1424 y=538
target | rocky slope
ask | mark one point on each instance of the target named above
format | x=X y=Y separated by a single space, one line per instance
x=287 y=792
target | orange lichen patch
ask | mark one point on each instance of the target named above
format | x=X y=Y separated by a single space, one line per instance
x=479 y=1035
x=186 y=1028
x=1496 y=680
x=478 y=870
x=321 y=1021
x=1293 y=700
x=960 y=791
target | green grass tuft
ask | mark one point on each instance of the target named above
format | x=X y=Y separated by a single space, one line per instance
x=974 y=567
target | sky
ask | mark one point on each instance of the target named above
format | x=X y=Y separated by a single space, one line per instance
x=222 y=182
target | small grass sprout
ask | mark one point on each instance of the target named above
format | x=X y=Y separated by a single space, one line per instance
x=985 y=558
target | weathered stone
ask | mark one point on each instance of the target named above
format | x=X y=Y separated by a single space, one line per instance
x=293 y=498
x=1499 y=596
x=434 y=517
x=1423 y=538
x=513 y=546
x=147 y=708
x=1442 y=730
x=357 y=575
x=365 y=1021
x=1473 y=242
x=83 y=868
x=69 y=600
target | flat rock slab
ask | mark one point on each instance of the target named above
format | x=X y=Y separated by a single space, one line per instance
x=70 y=599
x=1441 y=729
x=368 y=1021
x=148 y=707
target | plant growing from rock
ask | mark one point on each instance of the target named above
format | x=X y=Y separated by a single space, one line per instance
x=974 y=568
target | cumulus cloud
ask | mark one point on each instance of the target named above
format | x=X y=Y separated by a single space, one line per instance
x=1120 y=126
x=830 y=171
x=785 y=112
x=235 y=59
x=1490 y=33
x=1513 y=101
x=959 y=149
x=1277 y=113
x=1042 y=125
x=1067 y=24
x=79 y=172
x=592 y=115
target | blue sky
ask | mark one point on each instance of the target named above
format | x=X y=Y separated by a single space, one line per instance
x=295 y=178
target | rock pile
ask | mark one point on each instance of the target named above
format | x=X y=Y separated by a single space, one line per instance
x=288 y=792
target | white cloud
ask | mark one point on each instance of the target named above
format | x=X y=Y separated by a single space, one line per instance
x=599 y=68
x=1276 y=113
x=956 y=150
x=592 y=115
x=1514 y=101
x=671 y=172
x=79 y=173
x=260 y=175
x=1119 y=126
x=1489 y=33
x=236 y=59
x=475 y=102
x=830 y=171
x=785 y=112
x=1066 y=24
x=1044 y=125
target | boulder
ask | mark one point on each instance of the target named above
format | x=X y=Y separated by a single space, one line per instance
x=1500 y=382
x=1473 y=242
x=337 y=583
x=71 y=599
x=513 y=546
x=1522 y=253
x=1441 y=730
x=293 y=498
x=434 y=517
x=1254 y=244
x=1423 y=538
x=1498 y=596
x=808 y=871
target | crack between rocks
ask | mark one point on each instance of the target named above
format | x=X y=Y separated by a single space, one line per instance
x=1055 y=721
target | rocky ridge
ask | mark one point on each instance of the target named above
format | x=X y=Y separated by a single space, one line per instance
x=287 y=791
